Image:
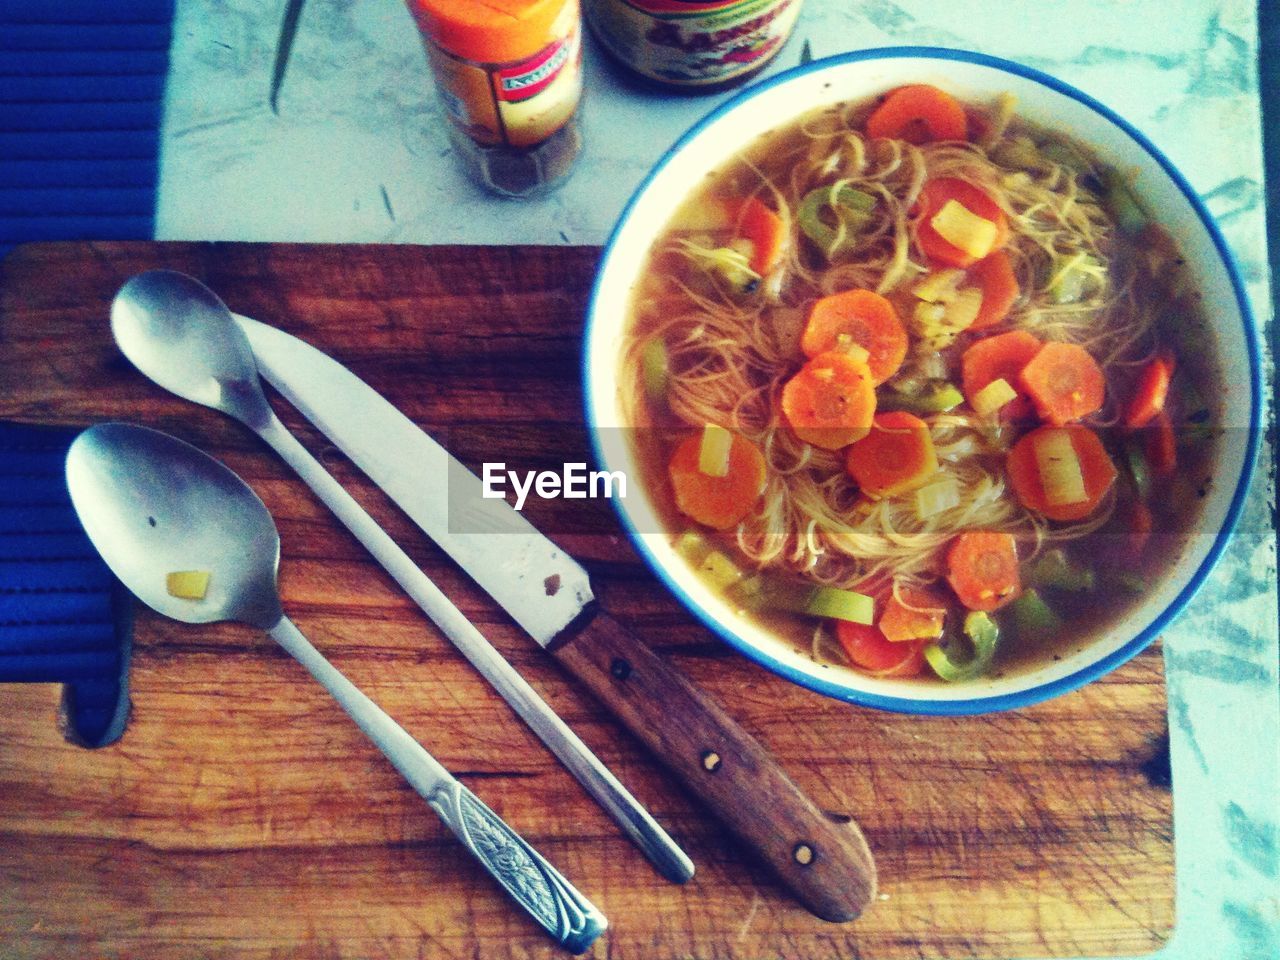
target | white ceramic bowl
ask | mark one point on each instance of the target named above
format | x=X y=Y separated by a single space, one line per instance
x=1047 y=103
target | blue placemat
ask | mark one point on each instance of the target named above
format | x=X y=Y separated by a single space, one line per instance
x=81 y=95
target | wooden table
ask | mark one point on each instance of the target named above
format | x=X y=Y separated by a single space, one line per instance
x=242 y=815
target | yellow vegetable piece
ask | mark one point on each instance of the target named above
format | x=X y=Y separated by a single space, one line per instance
x=962 y=228
x=939 y=286
x=1060 y=473
x=993 y=396
x=713 y=455
x=187 y=584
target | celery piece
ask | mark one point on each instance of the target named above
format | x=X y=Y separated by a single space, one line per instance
x=1054 y=568
x=1139 y=469
x=847 y=208
x=937 y=396
x=1125 y=210
x=982 y=634
x=840 y=605
x=1065 y=155
x=187 y=584
x=655 y=370
x=993 y=396
x=1033 y=619
x=713 y=453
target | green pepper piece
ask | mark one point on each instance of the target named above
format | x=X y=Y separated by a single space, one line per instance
x=1054 y=568
x=982 y=634
x=1033 y=619
x=850 y=208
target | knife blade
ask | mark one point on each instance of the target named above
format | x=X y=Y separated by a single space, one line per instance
x=823 y=860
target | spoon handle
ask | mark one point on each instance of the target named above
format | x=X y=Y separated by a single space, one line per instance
x=595 y=777
x=531 y=881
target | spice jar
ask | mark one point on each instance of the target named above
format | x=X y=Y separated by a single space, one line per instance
x=697 y=46
x=509 y=75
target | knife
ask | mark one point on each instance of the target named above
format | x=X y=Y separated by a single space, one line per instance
x=823 y=860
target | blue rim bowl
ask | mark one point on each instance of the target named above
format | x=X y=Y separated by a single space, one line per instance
x=1047 y=102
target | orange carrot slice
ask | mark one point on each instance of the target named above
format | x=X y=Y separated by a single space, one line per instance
x=869 y=650
x=933 y=197
x=918 y=114
x=897 y=455
x=982 y=568
x=1161 y=445
x=1001 y=357
x=1152 y=391
x=868 y=319
x=1064 y=382
x=831 y=401
x=764 y=228
x=1096 y=468
x=717 y=502
x=912 y=613
x=994 y=276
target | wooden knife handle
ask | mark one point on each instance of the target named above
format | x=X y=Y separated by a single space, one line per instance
x=823 y=860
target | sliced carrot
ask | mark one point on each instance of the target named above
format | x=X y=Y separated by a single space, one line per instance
x=933 y=197
x=918 y=113
x=982 y=568
x=869 y=650
x=1001 y=357
x=897 y=455
x=1096 y=468
x=830 y=403
x=1064 y=382
x=993 y=274
x=912 y=613
x=764 y=228
x=868 y=319
x=1161 y=445
x=717 y=502
x=1153 y=389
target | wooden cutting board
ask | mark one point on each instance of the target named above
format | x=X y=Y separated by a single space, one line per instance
x=242 y=815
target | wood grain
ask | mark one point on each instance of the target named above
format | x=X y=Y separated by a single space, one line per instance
x=242 y=816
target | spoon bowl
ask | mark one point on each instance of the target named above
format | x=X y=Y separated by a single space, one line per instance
x=153 y=505
x=181 y=335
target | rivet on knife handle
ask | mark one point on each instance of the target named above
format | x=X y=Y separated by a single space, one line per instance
x=826 y=863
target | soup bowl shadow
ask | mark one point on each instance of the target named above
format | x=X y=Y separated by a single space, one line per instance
x=1045 y=102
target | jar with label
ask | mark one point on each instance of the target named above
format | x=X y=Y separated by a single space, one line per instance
x=697 y=46
x=509 y=75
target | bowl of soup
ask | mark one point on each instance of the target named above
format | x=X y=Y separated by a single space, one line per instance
x=934 y=381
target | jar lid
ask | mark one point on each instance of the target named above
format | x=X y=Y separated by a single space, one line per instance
x=489 y=31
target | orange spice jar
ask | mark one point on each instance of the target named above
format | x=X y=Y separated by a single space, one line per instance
x=509 y=75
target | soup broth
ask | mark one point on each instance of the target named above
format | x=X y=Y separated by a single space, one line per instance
x=922 y=387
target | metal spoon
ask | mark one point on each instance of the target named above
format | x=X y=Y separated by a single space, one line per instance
x=181 y=335
x=153 y=505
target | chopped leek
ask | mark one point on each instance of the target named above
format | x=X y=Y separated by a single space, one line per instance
x=713 y=565
x=1065 y=155
x=833 y=216
x=993 y=396
x=1075 y=277
x=1033 y=619
x=964 y=229
x=655 y=369
x=982 y=634
x=1125 y=210
x=1017 y=153
x=1139 y=470
x=187 y=584
x=713 y=454
x=936 y=396
x=942 y=494
x=693 y=546
x=761 y=592
x=938 y=324
x=1059 y=467
x=938 y=286
x=731 y=264
x=963 y=309
x=840 y=605
x=1054 y=568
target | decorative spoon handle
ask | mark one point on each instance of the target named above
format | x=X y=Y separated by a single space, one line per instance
x=663 y=852
x=536 y=885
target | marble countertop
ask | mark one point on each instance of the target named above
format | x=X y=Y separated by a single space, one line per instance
x=357 y=152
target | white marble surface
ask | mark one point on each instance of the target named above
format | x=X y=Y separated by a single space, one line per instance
x=358 y=153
